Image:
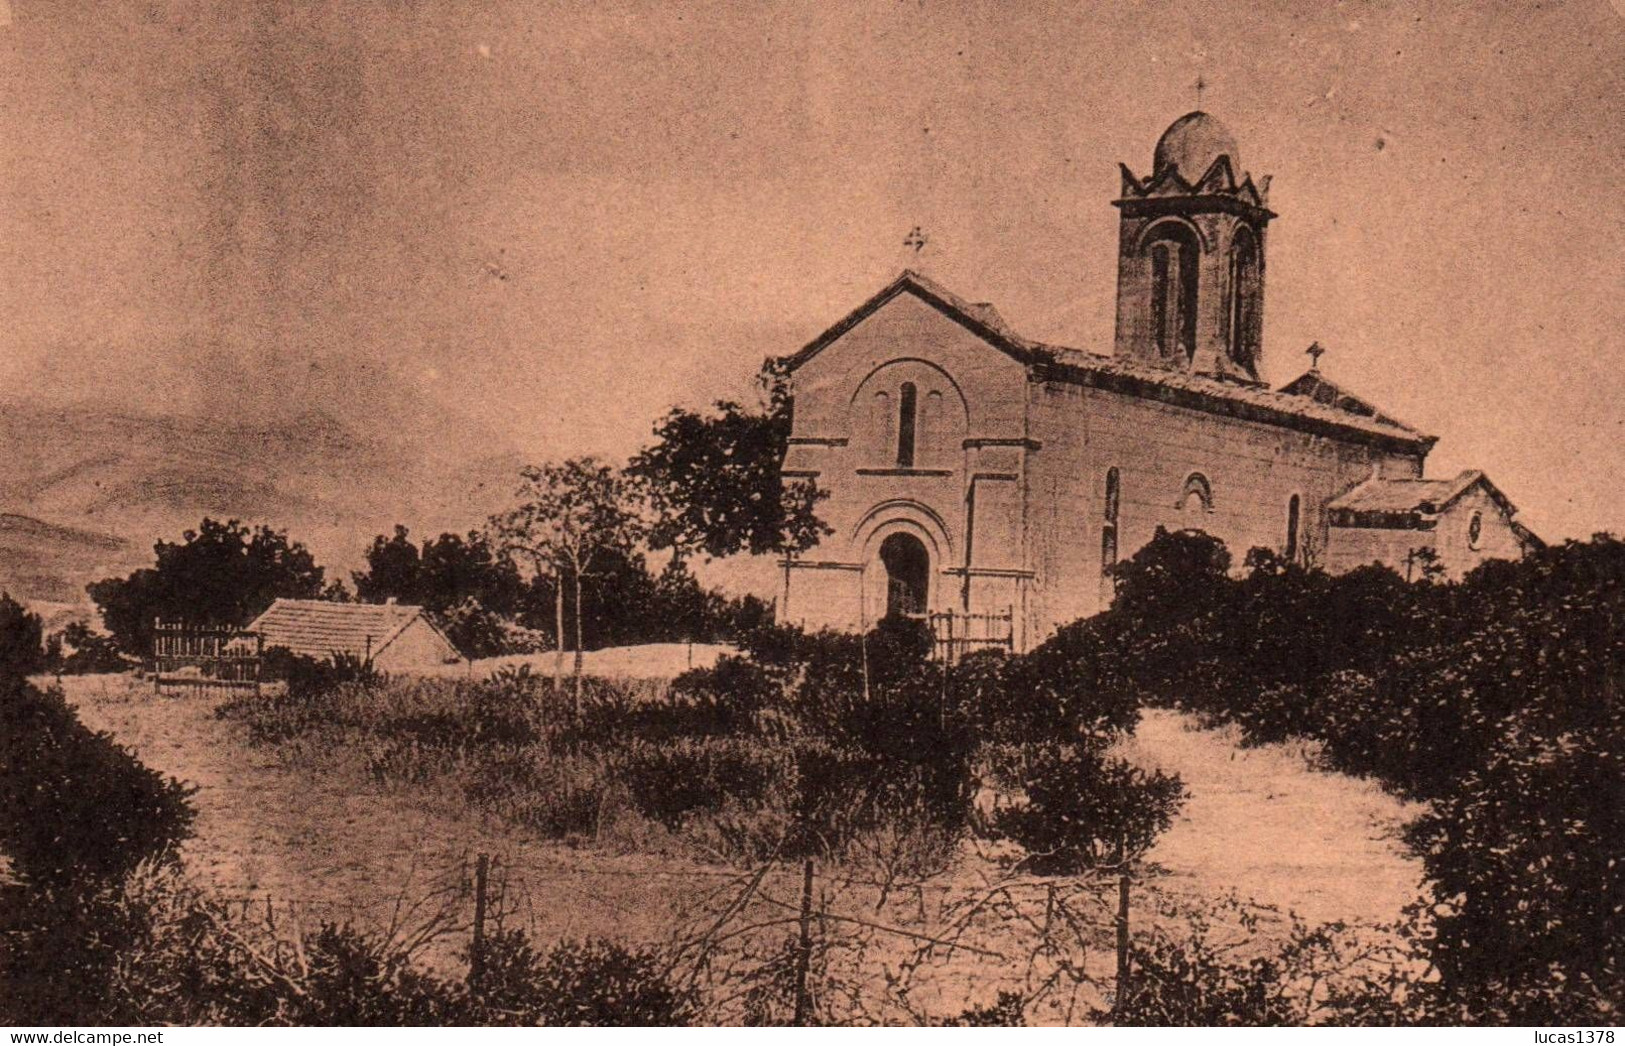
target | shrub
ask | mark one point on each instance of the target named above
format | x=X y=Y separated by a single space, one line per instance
x=1191 y=983
x=21 y=649
x=475 y=631
x=1008 y=1010
x=601 y=984
x=1527 y=853
x=77 y=809
x=78 y=815
x=354 y=979
x=80 y=651
x=560 y=797
x=670 y=782
x=307 y=677
x=1082 y=810
x=1495 y=697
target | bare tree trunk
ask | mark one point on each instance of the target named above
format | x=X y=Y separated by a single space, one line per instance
x=578 y=642
x=1121 y=999
x=558 y=630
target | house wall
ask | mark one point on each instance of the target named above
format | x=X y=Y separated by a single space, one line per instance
x=1448 y=534
x=1253 y=470
x=1351 y=547
x=1497 y=539
x=417 y=647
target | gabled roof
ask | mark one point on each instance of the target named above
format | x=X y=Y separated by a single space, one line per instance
x=1316 y=386
x=1431 y=496
x=1195 y=391
x=1390 y=502
x=321 y=629
x=981 y=318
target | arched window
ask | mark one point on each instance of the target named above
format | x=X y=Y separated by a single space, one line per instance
x=1293 y=507
x=1475 y=531
x=928 y=430
x=1174 y=254
x=1108 y=530
x=884 y=420
x=1243 y=295
x=906 y=407
x=1197 y=497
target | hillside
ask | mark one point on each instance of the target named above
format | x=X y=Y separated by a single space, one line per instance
x=86 y=492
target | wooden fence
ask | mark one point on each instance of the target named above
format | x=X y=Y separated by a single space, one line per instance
x=199 y=657
x=958 y=634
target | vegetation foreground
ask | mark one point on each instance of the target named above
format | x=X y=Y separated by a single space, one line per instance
x=860 y=762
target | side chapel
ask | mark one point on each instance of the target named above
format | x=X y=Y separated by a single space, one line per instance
x=974 y=471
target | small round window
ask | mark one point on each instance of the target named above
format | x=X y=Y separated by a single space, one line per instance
x=1475 y=530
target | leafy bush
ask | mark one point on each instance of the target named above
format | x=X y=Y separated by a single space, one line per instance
x=1084 y=810
x=477 y=632
x=21 y=649
x=79 y=651
x=308 y=677
x=671 y=782
x=1496 y=697
x=601 y=984
x=559 y=796
x=78 y=815
x=76 y=808
x=1526 y=855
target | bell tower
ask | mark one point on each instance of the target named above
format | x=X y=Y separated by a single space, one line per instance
x=1190 y=256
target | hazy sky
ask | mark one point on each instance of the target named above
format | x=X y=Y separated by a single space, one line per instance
x=561 y=218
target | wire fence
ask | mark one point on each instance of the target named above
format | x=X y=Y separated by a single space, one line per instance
x=789 y=941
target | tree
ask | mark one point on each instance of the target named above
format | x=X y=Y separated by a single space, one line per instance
x=221 y=573
x=394 y=570
x=569 y=515
x=713 y=481
x=447 y=572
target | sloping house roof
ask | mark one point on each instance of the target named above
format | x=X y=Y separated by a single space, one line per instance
x=321 y=629
x=1345 y=417
x=1410 y=502
x=1315 y=385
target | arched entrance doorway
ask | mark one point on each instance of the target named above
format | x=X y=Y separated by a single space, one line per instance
x=908 y=574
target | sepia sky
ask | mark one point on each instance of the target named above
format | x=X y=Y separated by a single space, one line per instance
x=548 y=222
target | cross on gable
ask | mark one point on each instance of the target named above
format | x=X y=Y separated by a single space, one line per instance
x=915 y=240
x=1314 y=352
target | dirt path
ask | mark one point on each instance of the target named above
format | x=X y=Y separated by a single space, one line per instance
x=334 y=848
x=1263 y=824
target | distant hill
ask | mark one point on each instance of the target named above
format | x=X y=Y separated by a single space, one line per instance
x=86 y=492
x=45 y=562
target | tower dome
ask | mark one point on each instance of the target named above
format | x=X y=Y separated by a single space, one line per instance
x=1192 y=143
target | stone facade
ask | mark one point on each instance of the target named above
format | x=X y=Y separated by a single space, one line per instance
x=975 y=471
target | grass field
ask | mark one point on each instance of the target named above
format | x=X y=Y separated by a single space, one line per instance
x=320 y=838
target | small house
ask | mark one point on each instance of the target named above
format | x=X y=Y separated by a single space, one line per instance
x=393 y=637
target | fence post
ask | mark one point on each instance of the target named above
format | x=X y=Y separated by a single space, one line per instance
x=1122 y=927
x=804 y=954
x=476 y=950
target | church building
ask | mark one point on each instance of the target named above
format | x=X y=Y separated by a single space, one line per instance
x=973 y=471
